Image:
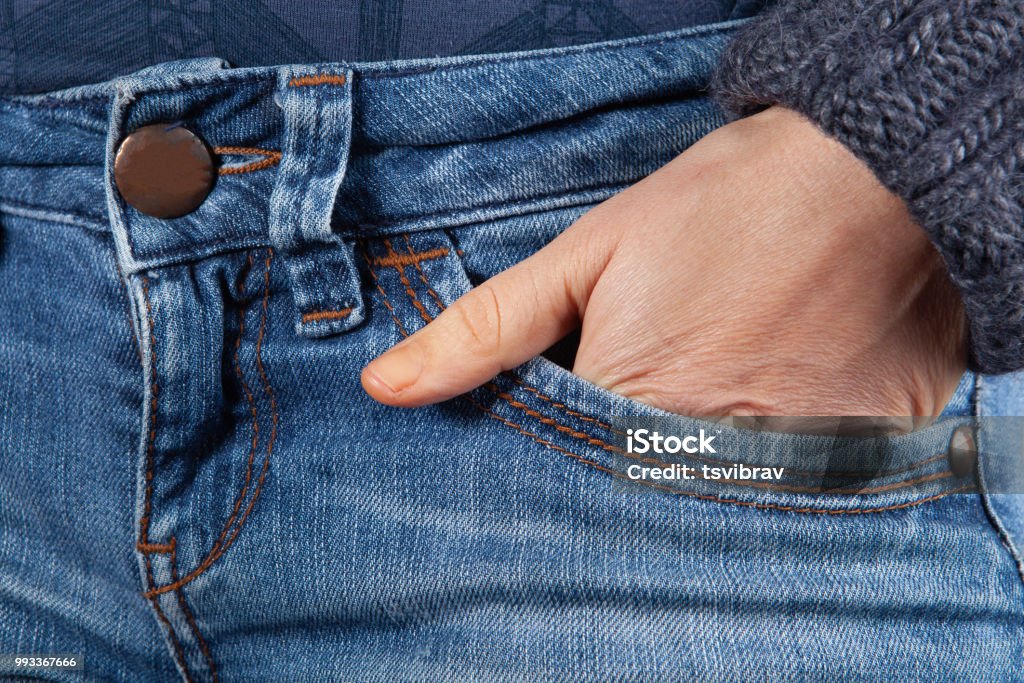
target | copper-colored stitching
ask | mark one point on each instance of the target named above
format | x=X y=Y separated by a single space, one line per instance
x=157 y=548
x=423 y=276
x=395 y=260
x=326 y=315
x=318 y=79
x=191 y=619
x=216 y=552
x=271 y=157
x=251 y=400
x=594 y=441
x=563 y=407
x=384 y=297
x=408 y=285
x=716 y=499
x=711 y=461
x=148 y=495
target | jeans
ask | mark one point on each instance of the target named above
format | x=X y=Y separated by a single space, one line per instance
x=194 y=486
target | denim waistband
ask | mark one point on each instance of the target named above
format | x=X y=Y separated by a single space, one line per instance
x=313 y=157
x=385 y=146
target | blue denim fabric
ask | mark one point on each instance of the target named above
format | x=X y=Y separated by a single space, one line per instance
x=195 y=487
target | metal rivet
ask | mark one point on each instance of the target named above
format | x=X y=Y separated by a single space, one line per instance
x=963 y=451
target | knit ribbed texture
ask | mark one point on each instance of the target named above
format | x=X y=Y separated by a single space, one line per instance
x=930 y=94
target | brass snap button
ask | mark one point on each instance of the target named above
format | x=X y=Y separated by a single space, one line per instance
x=963 y=451
x=164 y=170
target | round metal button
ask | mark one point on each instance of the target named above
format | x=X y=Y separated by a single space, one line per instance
x=963 y=451
x=164 y=170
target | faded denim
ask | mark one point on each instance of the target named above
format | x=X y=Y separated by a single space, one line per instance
x=194 y=486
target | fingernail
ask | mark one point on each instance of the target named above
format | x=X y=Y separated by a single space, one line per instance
x=399 y=368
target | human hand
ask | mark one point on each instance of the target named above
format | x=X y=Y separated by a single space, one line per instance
x=765 y=271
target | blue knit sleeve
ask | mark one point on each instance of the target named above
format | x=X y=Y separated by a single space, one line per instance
x=930 y=94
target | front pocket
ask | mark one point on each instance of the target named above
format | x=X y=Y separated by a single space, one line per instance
x=417 y=275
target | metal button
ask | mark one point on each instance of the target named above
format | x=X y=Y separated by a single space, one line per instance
x=164 y=170
x=963 y=451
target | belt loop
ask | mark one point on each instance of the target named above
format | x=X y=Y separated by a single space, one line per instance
x=317 y=108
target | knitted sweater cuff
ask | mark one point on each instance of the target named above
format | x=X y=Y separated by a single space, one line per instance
x=930 y=94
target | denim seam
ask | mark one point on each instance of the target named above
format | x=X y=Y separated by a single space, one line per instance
x=383 y=295
x=190 y=618
x=226 y=541
x=416 y=259
x=144 y=546
x=993 y=517
x=400 y=224
x=48 y=215
x=652 y=40
x=128 y=312
x=611 y=448
x=708 y=497
x=366 y=70
x=770 y=506
x=712 y=461
x=400 y=268
x=203 y=250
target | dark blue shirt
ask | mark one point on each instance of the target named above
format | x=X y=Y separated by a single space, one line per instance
x=51 y=44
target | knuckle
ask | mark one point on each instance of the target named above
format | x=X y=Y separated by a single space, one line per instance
x=479 y=314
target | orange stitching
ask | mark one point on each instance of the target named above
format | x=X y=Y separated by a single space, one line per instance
x=563 y=407
x=326 y=315
x=158 y=548
x=423 y=275
x=191 y=619
x=711 y=461
x=700 y=458
x=318 y=79
x=593 y=441
x=408 y=285
x=251 y=400
x=384 y=297
x=395 y=260
x=716 y=499
x=269 y=391
x=216 y=552
x=271 y=157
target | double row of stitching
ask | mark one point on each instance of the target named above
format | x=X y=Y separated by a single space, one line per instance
x=235 y=523
x=712 y=461
x=597 y=442
x=604 y=445
x=707 y=497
